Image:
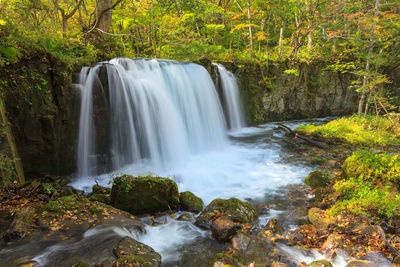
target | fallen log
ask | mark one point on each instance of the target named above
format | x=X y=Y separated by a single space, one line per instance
x=295 y=135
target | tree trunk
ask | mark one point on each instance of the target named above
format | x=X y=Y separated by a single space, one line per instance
x=280 y=41
x=104 y=14
x=11 y=166
x=250 y=28
x=371 y=45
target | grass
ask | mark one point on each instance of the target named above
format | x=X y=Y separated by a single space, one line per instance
x=370 y=185
x=367 y=130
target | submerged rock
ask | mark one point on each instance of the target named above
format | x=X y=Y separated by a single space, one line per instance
x=317 y=179
x=240 y=241
x=140 y=195
x=190 y=202
x=133 y=253
x=233 y=208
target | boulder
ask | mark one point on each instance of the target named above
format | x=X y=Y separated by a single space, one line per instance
x=130 y=252
x=190 y=202
x=98 y=189
x=233 y=208
x=317 y=179
x=240 y=241
x=140 y=195
x=21 y=224
x=320 y=263
x=359 y=263
x=274 y=225
x=223 y=228
x=319 y=218
x=334 y=242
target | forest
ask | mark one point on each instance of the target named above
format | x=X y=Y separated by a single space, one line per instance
x=200 y=133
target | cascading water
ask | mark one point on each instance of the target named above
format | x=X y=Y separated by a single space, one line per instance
x=157 y=111
x=231 y=98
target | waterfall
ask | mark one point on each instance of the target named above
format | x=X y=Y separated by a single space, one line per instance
x=156 y=111
x=231 y=97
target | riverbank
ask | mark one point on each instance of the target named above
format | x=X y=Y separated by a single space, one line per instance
x=289 y=229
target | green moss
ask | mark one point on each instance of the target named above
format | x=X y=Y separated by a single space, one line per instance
x=370 y=185
x=104 y=198
x=66 y=203
x=144 y=194
x=367 y=130
x=317 y=179
x=98 y=189
x=190 y=202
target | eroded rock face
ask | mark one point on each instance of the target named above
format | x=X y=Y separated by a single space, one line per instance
x=236 y=210
x=140 y=195
x=130 y=252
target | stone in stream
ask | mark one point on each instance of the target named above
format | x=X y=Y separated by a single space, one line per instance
x=319 y=218
x=359 y=263
x=190 y=202
x=224 y=228
x=274 y=225
x=317 y=179
x=140 y=195
x=320 y=263
x=130 y=252
x=236 y=210
x=100 y=194
x=332 y=243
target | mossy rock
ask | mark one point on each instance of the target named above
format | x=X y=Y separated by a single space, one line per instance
x=317 y=179
x=190 y=202
x=98 y=189
x=318 y=160
x=319 y=218
x=133 y=253
x=103 y=198
x=140 y=195
x=237 y=210
x=66 y=203
x=320 y=263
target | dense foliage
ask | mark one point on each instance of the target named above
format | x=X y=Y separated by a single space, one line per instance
x=361 y=37
x=370 y=185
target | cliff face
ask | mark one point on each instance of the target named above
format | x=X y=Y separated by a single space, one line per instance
x=42 y=108
x=288 y=91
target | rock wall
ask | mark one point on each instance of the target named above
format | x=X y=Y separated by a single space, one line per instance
x=42 y=108
x=287 y=91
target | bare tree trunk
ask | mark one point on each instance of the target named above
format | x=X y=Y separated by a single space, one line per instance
x=280 y=41
x=12 y=168
x=250 y=28
x=371 y=45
